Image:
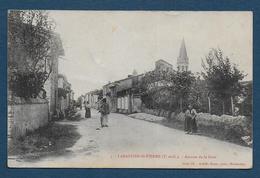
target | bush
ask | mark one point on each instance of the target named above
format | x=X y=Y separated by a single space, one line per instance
x=224 y=127
x=224 y=121
x=27 y=85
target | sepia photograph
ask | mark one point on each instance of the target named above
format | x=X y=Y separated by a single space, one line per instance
x=130 y=89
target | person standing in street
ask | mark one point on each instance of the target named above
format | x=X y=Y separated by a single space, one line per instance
x=187 y=121
x=87 y=110
x=190 y=125
x=104 y=110
x=194 y=127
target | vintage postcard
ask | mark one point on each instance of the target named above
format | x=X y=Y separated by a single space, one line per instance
x=130 y=89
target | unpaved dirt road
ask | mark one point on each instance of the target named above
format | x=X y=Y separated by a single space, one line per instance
x=129 y=142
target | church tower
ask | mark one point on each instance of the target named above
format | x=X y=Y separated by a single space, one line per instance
x=183 y=60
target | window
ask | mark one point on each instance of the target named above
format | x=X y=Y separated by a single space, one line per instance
x=118 y=103
x=126 y=102
x=123 y=103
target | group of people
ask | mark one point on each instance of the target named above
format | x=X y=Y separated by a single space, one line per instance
x=190 y=124
x=103 y=109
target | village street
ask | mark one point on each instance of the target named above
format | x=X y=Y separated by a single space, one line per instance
x=129 y=142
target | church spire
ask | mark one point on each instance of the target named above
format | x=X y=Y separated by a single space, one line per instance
x=135 y=72
x=183 y=60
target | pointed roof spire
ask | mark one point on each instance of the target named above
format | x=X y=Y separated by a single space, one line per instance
x=183 y=53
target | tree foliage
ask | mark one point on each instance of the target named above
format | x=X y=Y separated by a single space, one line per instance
x=198 y=94
x=32 y=46
x=181 y=83
x=222 y=77
x=165 y=89
x=245 y=100
x=155 y=88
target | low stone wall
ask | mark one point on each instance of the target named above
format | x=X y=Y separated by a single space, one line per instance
x=146 y=117
x=225 y=127
x=158 y=112
x=26 y=115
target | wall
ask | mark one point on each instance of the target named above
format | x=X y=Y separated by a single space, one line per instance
x=137 y=104
x=162 y=65
x=225 y=127
x=27 y=116
x=60 y=82
x=92 y=99
x=123 y=105
x=63 y=104
x=51 y=87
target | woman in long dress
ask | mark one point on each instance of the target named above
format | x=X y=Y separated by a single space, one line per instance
x=187 y=121
x=87 y=110
x=190 y=124
x=194 y=127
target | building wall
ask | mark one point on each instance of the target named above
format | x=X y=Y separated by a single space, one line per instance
x=129 y=104
x=63 y=102
x=124 y=105
x=26 y=116
x=92 y=99
x=182 y=67
x=162 y=65
x=137 y=104
x=51 y=88
x=60 y=82
x=120 y=96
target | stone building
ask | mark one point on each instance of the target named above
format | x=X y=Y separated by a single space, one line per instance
x=163 y=65
x=51 y=85
x=93 y=98
x=123 y=96
x=64 y=94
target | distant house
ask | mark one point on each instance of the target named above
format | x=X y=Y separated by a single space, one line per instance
x=123 y=95
x=93 y=97
x=163 y=65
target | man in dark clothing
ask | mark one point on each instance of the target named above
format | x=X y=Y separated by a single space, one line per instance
x=104 y=110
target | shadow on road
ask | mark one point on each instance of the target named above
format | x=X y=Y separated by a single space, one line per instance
x=53 y=139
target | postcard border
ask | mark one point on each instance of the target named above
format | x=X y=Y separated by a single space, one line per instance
x=198 y=5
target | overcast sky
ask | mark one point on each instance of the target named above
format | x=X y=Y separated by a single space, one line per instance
x=102 y=46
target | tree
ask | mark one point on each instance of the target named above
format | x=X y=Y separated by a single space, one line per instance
x=222 y=77
x=198 y=94
x=181 y=85
x=155 y=89
x=245 y=101
x=166 y=89
x=32 y=46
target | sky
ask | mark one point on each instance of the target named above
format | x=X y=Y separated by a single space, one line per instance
x=103 y=46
